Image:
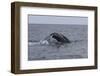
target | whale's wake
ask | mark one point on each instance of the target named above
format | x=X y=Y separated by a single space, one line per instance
x=41 y=42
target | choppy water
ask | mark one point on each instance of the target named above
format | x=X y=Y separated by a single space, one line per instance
x=77 y=34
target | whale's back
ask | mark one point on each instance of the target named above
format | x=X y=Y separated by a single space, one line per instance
x=60 y=37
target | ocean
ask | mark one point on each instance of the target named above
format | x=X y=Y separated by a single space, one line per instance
x=77 y=34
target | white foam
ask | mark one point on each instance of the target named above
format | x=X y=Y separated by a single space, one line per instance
x=41 y=42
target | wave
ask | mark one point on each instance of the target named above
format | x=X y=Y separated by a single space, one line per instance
x=45 y=42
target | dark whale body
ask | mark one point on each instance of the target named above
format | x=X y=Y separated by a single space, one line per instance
x=60 y=37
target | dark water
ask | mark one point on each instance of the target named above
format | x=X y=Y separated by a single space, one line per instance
x=77 y=34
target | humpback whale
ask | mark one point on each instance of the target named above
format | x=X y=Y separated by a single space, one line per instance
x=60 y=37
x=55 y=39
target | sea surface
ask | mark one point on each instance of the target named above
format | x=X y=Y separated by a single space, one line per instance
x=77 y=34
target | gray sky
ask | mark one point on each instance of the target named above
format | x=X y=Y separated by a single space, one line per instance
x=72 y=20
